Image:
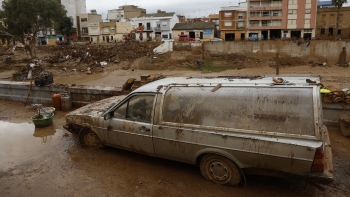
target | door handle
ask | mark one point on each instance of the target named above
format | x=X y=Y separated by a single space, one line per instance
x=143 y=129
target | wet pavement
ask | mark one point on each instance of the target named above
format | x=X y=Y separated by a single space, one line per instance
x=51 y=162
x=20 y=142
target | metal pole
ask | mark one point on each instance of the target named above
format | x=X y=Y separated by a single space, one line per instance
x=277 y=64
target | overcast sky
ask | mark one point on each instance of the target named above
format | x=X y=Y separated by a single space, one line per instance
x=197 y=8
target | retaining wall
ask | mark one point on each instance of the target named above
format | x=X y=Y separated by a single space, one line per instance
x=80 y=95
x=320 y=50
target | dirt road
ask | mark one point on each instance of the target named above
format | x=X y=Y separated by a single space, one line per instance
x=50 y=162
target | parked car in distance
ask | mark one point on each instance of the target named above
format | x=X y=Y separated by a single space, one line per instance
x=216 y=39
x=183 y=37
x=228 y=126
x=254 y=37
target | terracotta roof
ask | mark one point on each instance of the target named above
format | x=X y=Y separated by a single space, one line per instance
x=166 y=14
x=195 y=25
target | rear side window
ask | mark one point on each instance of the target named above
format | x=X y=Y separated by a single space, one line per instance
x=283 y=110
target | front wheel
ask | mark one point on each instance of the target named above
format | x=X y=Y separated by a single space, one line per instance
x=220 y=170
x=89 y=139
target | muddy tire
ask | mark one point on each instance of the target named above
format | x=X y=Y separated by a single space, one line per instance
x=90 y=139
x=220 y=170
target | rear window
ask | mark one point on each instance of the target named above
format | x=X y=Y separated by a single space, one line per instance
x=282 y=110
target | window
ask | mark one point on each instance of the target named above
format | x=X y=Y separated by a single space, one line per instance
x=84 y=30
x=292 y=22
x=339 y=31
x=103 y=38
x=111 y=37
x=240 y=17
x=227 y=24
x=164 y=24
x=322 y=31
x=330 y=31
x=307 y=21
x=165 y=36
x=122 y=16
x=140 y=24
x=83 y=19
x=292 y=11
x=137 y=108
x=285 y=31
x=307 y=11
x=293 y=2
x=265 y=13
x=307 y=30
x=275 y=13
x=228 y=14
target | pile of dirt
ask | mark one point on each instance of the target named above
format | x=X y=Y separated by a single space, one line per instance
x=291 y=61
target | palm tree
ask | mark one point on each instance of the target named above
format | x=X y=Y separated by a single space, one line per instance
x=338 y=4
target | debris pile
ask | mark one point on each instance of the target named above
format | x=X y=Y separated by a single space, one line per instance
x=27 y=72
x=95 y=54
x=337 y=96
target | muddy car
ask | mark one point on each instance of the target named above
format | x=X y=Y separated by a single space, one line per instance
x=228 y=126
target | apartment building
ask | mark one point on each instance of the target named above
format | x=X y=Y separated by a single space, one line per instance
x=158 y=25
x=282 y=19
x=88 y=24
x=73 y=8
x=214 y=18
x=233 y=21
x=125 y=12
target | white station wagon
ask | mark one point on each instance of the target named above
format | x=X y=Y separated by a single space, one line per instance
x=228 y=126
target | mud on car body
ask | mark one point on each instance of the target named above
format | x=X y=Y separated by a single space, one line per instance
x=228 y=126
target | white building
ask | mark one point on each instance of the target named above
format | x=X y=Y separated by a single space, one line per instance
x=157 y=26
x=73 y=8
x=115 y=15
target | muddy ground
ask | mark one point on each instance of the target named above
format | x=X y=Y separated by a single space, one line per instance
x=50 y=162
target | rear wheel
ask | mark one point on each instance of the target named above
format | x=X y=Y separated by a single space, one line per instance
x=89 y=139
x=220 y=170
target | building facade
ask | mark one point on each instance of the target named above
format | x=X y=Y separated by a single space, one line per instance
x=327 y=20
x=233 y=21
x=73 y=8
x=157 y=25
x=125 y=12
x=282 y=19
x=88 y=25
x=198 y=30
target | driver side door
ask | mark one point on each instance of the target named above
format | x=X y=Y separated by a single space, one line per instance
x=130 y=125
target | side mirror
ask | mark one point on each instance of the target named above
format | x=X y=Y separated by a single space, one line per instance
x=107 y=116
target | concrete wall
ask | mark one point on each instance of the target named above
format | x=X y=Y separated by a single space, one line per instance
x=80 y=95
x=167 y=46
x=321 y=50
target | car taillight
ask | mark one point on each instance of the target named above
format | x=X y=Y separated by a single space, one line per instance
x=318 y=163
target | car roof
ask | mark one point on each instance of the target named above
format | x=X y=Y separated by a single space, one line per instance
x=230 y=81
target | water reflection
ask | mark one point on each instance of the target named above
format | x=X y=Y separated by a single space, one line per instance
x=45 y=133
x=22 y=141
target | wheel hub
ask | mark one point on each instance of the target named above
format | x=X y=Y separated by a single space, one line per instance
x=92 y=140
x=219 y=171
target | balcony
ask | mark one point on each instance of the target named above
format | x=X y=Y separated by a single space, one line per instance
x=105 y=32
x=156 y=28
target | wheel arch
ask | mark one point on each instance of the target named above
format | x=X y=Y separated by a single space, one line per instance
x=215 y=151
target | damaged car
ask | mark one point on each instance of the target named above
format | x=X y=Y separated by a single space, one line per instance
x=229 y=126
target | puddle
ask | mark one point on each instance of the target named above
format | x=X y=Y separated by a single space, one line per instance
x=20 y=142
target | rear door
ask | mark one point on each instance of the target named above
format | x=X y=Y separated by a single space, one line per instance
x=130 y=125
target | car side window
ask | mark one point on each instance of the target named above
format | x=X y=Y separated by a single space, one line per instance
x=137 y=108
x=140 y=108
x=121 y=111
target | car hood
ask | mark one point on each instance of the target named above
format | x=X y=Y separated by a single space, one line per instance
x=98 y=108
